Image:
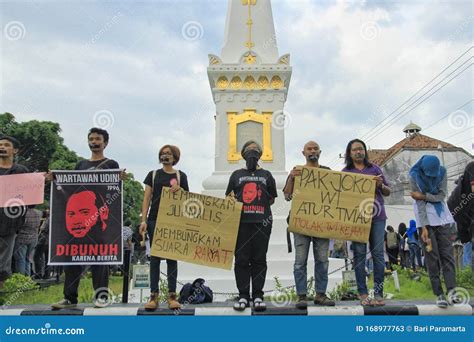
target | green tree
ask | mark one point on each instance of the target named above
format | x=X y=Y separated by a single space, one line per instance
x=43 y=149
x=132 y=201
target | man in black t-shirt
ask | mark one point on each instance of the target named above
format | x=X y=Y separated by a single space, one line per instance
x=98 y=140
x=256 y=189
x=11 y=218
x=311 y=152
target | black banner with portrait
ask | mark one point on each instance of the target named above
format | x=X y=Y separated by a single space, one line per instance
x=86 y=218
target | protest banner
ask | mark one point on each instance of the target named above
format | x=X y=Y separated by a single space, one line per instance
x=86 y=218
x=21 y=189
x=196 y=228
x=331 y=204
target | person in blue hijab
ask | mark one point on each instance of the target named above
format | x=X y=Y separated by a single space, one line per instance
x=429 y=187
x=429 y=174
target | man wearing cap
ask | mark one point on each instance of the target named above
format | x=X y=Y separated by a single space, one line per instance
x=11 y=218
x=256 y=189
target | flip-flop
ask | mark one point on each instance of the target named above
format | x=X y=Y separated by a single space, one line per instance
x=378 y=302
x=365 y=300
x=259 y=305
x=241 y=304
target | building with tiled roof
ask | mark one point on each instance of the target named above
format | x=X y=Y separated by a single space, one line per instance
x=398 y=159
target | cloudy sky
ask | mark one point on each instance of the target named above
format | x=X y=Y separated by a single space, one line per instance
x=139 y=69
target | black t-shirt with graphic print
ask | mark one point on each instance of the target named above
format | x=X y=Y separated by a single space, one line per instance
x=162 y=179
x=255 y=190
x=103 y=164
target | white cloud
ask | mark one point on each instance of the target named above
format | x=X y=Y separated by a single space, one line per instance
x=353 y=64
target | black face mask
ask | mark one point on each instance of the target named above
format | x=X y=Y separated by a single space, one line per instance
x=164 y=158
x=313 y=157
x=251 y=157
x=93 y=146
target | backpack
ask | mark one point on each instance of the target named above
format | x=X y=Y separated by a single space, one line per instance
x=392 y=241
x=195 y=293
x=338 y=245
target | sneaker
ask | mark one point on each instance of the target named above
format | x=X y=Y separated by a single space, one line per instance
x=301 y=303
x=323 y=300
x=441 y=302
x=63 y=304
x=101 y=302
x=453 y=298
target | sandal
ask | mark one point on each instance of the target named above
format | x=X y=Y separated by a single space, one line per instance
x=378 y=302
x=365 y=300
x=259 y=305
x=241 y=304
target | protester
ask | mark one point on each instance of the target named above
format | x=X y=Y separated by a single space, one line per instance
x=392 y=245
x=461 y=204
x=404 y=250
x=357 y=161
x=167 y=176
x=414 y=246
x=26 y=241
x=428 y=181
x=311 y=152
x=256 y=188
x=12 y=217
x=42 y=271
x=98 y=139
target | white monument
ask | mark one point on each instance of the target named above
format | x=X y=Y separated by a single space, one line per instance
x=249 y=83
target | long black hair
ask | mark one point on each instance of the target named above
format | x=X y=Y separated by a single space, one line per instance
x=402 y=228
x=348 y=160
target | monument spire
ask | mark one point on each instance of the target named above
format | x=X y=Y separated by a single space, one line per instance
x=249 y=83
x=249 y=28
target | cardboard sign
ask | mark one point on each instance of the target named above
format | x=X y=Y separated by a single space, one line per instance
x=331 y=204
x=196 y=228
x=21 y=189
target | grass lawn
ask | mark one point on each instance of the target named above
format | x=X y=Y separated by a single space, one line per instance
x=54 y=293
x=410 y=289
x=421 y=289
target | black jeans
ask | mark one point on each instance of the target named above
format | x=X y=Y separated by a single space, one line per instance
x=100 y=281
x=42 y=270
x=251 y=258
x=440 y=259
x=171 y=269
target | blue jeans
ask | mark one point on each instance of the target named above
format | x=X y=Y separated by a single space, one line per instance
x=23 y=257
x=376 y=241
x=415 y=251
x=467 y=255
x=321 y=263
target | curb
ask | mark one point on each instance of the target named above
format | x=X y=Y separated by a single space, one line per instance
x=354 y=310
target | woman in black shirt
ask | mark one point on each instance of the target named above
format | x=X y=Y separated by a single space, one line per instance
x=256 y=189
x=167 y=176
